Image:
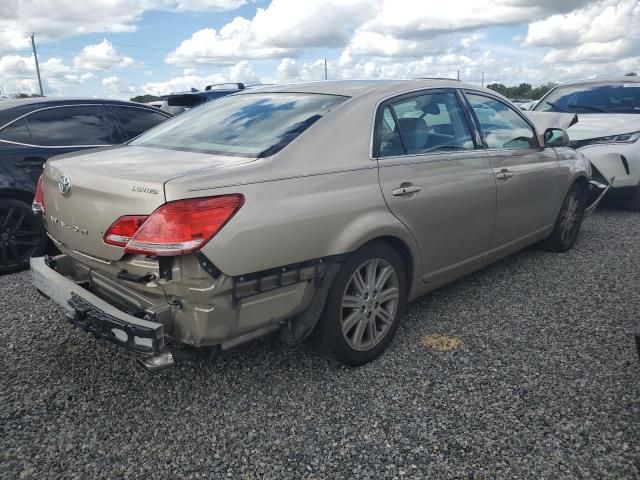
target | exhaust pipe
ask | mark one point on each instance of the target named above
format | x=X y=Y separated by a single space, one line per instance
x=168 y=358
x=157 y=362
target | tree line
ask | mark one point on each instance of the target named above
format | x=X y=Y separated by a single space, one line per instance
x=524 y=90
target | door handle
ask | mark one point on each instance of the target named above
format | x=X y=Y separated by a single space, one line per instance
x=398 y=192
x=504 y=174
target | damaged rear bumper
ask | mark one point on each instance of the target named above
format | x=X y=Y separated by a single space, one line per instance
x=92 y=314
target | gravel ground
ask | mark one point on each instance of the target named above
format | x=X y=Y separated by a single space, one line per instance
x=546 y=385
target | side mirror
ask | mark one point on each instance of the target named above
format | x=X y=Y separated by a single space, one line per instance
x=556 y=137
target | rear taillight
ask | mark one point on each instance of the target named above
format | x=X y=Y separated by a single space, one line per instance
x=121 y=231
x=38 y=202
x=175 y=228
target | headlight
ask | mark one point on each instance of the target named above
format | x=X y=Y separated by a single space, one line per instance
x=623 y=138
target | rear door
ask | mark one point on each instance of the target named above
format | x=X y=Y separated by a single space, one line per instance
x=528 y=177
x=135 y=121
x=18 y=157
x=437 y=180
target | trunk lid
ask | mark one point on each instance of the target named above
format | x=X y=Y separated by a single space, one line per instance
x=106 y=184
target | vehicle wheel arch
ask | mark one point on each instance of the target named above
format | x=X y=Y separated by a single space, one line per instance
x=401 y=247
x=18 y=194
x=583 y=182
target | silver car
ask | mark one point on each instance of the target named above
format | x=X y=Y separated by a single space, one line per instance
x=315 y=209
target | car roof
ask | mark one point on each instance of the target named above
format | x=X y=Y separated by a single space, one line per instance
x=53 y=101
x=13 y=108
x=356 y=88
x=630 y=79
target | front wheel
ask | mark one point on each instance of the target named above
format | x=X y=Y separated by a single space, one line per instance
x=364 y=306
x=567 y=227
x=21 y=235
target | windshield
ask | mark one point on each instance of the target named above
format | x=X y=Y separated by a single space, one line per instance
x=593 y=98
x=248 y=125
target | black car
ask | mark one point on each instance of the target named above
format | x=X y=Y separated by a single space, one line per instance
x=179 y=102
x=35 y=129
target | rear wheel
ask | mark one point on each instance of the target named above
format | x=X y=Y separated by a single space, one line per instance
x=364 y=306
x=567 y=227
x=21 y=235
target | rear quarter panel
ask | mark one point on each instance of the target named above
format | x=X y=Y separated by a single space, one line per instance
x=298 y=219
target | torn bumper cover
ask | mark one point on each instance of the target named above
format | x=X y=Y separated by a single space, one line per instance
x=92 y=314
x=597 y=191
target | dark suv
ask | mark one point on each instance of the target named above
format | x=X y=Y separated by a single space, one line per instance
x=179 y=102
x=35 y=129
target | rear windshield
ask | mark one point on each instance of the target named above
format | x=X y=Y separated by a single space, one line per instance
x=593 y=98
x=248 y=125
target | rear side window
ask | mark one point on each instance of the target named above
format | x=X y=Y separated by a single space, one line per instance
x=422 y=124
x=250 y=125
x=18 y=132
x=503 y=128
x=135 y=121
x=72 y=126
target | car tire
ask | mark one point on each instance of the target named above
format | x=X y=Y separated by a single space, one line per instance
x=22 y=235
x=567 y=227
x=632 y=202
x=364 y=306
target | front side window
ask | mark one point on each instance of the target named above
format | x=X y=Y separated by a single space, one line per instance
x=18 y=132
x=593 y=98
x=135 y=121
x=502 y=127
x=248 y=125
x=425 y=123
x=72 y=126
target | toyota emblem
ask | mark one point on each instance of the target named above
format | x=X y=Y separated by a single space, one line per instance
x=64 y=184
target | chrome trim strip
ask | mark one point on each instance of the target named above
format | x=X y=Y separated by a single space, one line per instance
x=90 y=257
x=57 y=146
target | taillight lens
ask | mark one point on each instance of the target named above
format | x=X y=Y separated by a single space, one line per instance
x=176 y=228
x=38 y=202
x=123 y=229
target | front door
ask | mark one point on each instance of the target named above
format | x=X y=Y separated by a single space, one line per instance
x=437 y=181
x=528 y=177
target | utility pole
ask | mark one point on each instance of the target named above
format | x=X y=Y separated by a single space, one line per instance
x=458 y=74
x=483 y=79
x=35 y=56
x=325 y=69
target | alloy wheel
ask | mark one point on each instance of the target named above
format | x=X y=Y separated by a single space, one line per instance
x=369 y=304
x=570 y=218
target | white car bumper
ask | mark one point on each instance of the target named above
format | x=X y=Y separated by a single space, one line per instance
x=620 y=160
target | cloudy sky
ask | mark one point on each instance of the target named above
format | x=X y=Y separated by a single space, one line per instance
x=121 y=48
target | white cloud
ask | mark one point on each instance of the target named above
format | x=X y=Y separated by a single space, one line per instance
x=283 y=29
x=417 y=18
x=240 y=72
x=101 y=56
x=52 y=19
x=601 y=32
x=119 y=88
x=16 y=66
x=215 y=5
